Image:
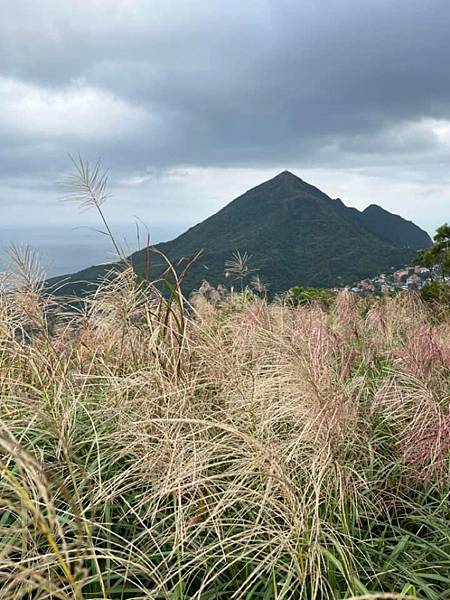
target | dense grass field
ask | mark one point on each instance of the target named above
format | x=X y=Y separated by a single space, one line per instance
x=223 y=449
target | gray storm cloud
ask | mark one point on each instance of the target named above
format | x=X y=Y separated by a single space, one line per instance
x=151 y=85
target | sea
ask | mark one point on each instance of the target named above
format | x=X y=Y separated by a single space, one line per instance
x=62 y=249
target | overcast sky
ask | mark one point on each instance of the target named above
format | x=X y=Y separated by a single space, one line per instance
x=190 y=103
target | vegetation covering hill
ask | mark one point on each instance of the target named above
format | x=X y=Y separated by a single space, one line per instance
x=394 y=228
x=294 y=234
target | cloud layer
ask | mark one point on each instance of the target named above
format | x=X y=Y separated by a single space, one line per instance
x=212 y=91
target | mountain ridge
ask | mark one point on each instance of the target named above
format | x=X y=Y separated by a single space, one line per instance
x=388 y=225
x=295 y=234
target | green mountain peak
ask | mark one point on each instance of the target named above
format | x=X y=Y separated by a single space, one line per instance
x=295 y=235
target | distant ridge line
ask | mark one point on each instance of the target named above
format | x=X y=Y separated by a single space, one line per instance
x=294 y=233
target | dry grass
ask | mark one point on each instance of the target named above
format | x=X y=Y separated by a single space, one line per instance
x=246 y=451
x=231 y=448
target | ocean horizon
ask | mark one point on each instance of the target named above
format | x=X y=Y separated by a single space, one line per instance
x=67 y=249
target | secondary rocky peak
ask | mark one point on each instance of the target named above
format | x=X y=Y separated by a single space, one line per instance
x=374 y=208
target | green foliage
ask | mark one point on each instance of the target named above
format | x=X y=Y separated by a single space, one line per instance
x=298 y=296
x=436 y=292
x=439 y=253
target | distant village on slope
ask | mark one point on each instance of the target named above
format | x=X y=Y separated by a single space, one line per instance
x=408 y=278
